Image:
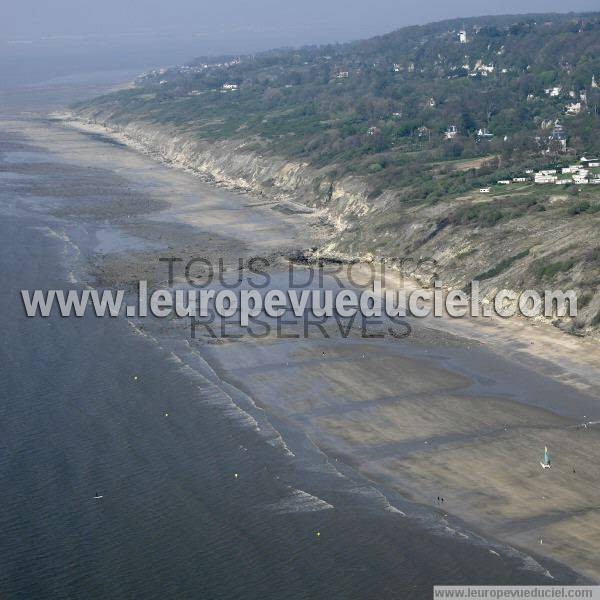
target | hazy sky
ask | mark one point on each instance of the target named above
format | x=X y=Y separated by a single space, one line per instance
x=312 y=19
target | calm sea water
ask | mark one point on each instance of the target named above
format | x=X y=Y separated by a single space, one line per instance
x=174 y=521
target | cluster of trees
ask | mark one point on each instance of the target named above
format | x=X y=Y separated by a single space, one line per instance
x=402 y=91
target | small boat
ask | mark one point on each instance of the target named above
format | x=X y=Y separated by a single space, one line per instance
x=97 y=496
x=546 y=462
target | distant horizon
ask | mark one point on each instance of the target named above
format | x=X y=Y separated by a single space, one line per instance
x=315 y=21
x=36 y=57
x=51 y=36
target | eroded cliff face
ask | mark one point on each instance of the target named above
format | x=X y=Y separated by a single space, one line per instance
x=512 y=254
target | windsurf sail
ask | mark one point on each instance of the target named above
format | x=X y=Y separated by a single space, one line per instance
x=546 y=456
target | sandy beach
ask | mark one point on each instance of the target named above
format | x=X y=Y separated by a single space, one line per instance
x=460 y=410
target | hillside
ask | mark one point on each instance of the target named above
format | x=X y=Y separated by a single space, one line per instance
x=394 y=137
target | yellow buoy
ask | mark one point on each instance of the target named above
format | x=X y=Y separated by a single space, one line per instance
x=318 y=534
x=236 y=475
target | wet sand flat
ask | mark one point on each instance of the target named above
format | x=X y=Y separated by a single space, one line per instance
x=405 y=419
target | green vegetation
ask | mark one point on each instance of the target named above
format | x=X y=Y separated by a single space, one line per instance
x=583 y=207
x=502 y=266
x=547 y=271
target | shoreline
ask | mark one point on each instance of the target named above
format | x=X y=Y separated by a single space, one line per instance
x=356 y=435
x=495 y=329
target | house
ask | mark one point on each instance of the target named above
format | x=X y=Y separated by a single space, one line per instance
x=431 y=102
x=589 y=162
x=342 y=75
x=482 y=68
x=503 y=182
x=562 y=182
x=543 y=177
x=573 y=109
x=559 y=135
x=423 y=131
x=520 y=179
x=528 y=171
x=580 y=179
x=594 y=83
x=554 y=91
x=373 y=131
x=398 y=67
x=451 y=132
x=230 y=86
x=484 y=190
x=484 y=133
x=462 y=36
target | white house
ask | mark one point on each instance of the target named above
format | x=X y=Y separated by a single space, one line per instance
x=462 y=36
x=230 y=86
x=589 y=162
x=554 y=91
x=573 y=109
x=484 y=190
x=451 y=132
x=503 y=181
x=544 y=178
x=484 y=133
x=580 y=179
